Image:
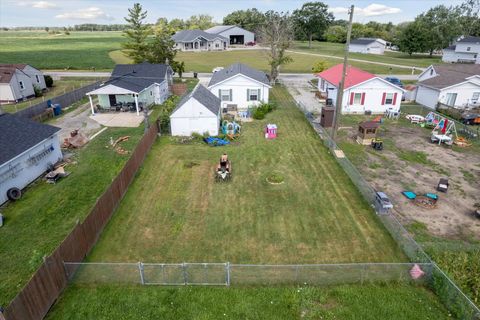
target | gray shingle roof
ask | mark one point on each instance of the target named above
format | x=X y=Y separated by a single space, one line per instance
x=363 y=41
x=136 y=77
x=451 y=74
x=204 y=96
x=219 y=29
x=238 y=68
x=470 y=39
x=450 y=48
x=17 y=135
x=190 y=35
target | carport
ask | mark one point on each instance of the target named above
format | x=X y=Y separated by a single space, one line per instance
x=110 y=97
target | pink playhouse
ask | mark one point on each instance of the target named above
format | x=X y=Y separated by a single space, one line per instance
x=271 y=131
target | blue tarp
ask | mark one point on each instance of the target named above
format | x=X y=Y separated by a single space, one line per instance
x=431 y=196
x=409 y=194
x=216 y=141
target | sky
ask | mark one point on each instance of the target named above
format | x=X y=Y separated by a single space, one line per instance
x=17 y=13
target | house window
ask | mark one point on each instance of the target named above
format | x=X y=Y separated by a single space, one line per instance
x=253 y=94
x=357 y=99
x=217 y=45
x=38 y=79
x=389 y=98
x=151 y=93
x=225 y=95
x=21 y=85
x=431 y=71
x=475 y=97
x=322 y=85
x=469 y=48
x=450 y=99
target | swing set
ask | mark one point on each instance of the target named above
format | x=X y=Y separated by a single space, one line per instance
x=443 y=128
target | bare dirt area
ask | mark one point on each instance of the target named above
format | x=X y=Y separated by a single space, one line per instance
x=411 y=162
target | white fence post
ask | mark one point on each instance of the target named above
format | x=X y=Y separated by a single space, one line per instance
x=185 y=277
x=227 y=267
x=142 y=276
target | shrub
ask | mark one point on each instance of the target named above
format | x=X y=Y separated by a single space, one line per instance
x=258 y=113
x=264 y=108
x=48 y=81
x=38 y=91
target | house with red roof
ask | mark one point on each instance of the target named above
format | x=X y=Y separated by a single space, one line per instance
x=363 y=91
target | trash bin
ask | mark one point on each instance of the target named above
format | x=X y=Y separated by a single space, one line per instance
x=49 y=103
x=57 y=109
x=195 y=75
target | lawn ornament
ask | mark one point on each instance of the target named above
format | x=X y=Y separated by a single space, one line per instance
x=270 y=131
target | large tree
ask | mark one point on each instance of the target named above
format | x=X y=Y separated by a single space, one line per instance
x=312 y=18
x=161 y=49
x=201 y=21
x=277 y=34
x=336 y=34
x=411 y=38
x=250 y=19
x=136 y=34
x=469 y=17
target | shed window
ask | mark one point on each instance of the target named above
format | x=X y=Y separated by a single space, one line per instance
x=38 y=79
x=225 y=95
x=151 y=93
x=253 y=94
x=475 y=97
x=469 y=48
x=357 y=99
x=389 y=98
x=21 y=85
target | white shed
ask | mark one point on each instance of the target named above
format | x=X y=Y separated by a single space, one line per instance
x=235 y=34
x=198 y=112
x=367 y=45
x=27 y=150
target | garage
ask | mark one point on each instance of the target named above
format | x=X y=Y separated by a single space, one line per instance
x=236 y=34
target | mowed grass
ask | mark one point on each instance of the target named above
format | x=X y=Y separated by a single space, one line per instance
x=36 y=224
x=175 y=211
x=79 y=50
x=302 y=63
x=391 y=301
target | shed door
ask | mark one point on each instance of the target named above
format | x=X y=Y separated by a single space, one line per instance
x=113 y=99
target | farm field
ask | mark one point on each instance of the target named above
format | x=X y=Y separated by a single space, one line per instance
x=368 y=302
x=174 y=211
x=36 y=224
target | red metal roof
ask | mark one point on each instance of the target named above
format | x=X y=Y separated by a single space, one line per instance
x=354 y=75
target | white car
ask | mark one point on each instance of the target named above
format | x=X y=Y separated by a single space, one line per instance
x=415 y=118
x=216 y=69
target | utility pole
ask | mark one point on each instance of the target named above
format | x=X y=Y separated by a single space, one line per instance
x=341 y=85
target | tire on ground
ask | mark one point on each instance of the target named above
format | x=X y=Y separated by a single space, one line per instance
x=14 y=194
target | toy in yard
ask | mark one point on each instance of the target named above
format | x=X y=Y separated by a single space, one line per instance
x=231 y=129
x=416 y=272
x=378 y=119
x=223 y=171
x=377 y=144
x=443 y=185
x=415 y=118
x=392 y=113
x=444 y=129
x=215 y=142
x=367 y=131
x=270 y=131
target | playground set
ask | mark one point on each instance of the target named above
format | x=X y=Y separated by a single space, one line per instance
x=231 y=129
x=270 y=131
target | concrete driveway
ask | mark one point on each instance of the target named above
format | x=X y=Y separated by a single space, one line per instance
x=77 y=119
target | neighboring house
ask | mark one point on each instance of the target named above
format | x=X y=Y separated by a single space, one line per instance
x=27 y=150
x=363 y=91
x=199 y=40
x=367 y=45
x=238 y=86
x=35 y=75
x=455 y=85
x=198 y=112
x=15 y=85
x=465 y=50
x=235 y=34
x=140 y=84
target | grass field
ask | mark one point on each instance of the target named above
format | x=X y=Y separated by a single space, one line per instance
x=368 y=302
x=174 y=211
x=35 y=225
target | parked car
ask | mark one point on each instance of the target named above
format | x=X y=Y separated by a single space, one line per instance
x=216 y=69
x=471 y=118
x=251 y=43
x=395 y=81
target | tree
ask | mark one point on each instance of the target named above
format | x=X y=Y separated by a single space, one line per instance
x=313 y=18
x=136 y=34
x=176 y=24
x=336 y=34
x=469 y=17
x=277 y=34
x=47 y=29
x=48 y=81
x=250 y=19
x=161 y=48
x=412 y=38
x=319 y=66
x=179 y=67
x=201 y=21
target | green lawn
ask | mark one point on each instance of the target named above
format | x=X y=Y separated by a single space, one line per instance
x=59 y=87
x=337 y=49
x=367 y=302
x=36 y=224
x=79 y=50
x=174 y=211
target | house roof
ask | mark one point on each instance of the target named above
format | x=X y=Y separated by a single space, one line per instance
x=218 y=29
x=137 y=77
x=238 y=68
x=369 y=124
x=450 y=48
x=470 y=39
x=20 y=66
x=6 y=74
x=354 y=76
x=451 y=74
x=20 y=134
x=204 y=96
x=190 y=35
x=363 y=41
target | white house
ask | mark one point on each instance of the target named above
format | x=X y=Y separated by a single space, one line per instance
x=235 y=34
x=455 y=85
x=28 y=148
x=363 y=91
x=199 y=40
x=239 y=87
x=367 y=45
x=137 y=85
x=17 y=82
x=465 y=50
x=197 y=112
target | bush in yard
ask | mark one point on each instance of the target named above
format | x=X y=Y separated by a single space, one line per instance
x=38 y=91
x=264 y=108
x=166 y=109
x=319 y=66
x=48 y=81
x=258 y=113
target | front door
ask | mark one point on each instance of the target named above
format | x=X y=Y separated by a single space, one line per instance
x=113 y=99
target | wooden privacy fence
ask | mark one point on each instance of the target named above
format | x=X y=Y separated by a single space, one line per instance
x=39 y=294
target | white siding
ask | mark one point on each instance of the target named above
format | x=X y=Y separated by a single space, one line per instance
x=26 y=170
x=464 y=93
x=454 y=56
x=427 y=96
x=36 y=76
x=427 y=74
x=372 y=48
x=27 y=90
x=236 y=31
x=192 y=117
x=6 y=92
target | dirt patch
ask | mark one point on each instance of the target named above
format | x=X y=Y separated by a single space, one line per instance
x=411 y=162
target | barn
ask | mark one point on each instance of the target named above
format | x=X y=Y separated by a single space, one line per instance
x=235 y=34
x=198 y=112
x=28 y=149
